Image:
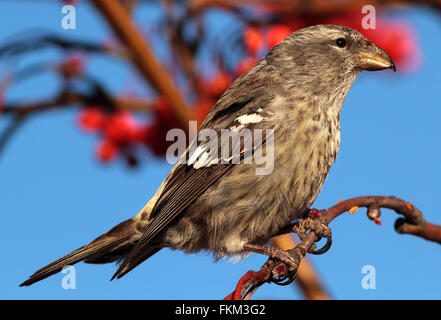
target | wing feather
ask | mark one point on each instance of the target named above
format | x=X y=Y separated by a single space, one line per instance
x=187 y=182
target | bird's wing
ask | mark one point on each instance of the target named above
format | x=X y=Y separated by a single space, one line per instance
x=193 y=177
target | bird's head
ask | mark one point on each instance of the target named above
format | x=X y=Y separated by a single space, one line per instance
x=323 y=56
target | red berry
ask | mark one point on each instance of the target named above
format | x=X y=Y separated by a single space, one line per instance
x=399 y=41
x=164 y=110
x=219 y=84
x=91 y=119
x=166 y=116
x=106 y=150
x=202 y=108
x=73 y=66
x=154 y=135
x=155 y=138
x=244 y=65
x=121 y=127
x=140 y=134
x=253 y=39
x=277 y=34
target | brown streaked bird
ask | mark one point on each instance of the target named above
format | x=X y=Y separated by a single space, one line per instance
x=297 y=91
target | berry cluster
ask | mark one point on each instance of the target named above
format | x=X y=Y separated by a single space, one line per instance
x=120 y=132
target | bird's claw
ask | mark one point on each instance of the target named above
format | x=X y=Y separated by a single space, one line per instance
x=317 y=223
x=286 y=263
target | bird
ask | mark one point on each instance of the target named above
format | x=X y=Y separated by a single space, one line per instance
x=295 y=96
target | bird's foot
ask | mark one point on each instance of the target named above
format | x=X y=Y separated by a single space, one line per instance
x=286 y=264
x=316 y=222
x=283 y=264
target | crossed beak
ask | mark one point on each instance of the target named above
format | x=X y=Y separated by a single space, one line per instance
x=371 y=57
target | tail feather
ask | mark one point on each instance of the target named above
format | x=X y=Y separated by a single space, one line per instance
x=125 y=268
x=70 y=259
x=109 y=247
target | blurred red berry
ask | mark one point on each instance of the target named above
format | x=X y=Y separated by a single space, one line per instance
x=106 y=150
x=140 y=134
x=295 y=25
x=156 y=135
x=244 y=65
x=73 y=66
x=277 y=34
x=400 y=42
x=202 y=109
x=218 y=84
x=164 y=119
x=91 y=119
x=165 y=112
x=253 y=39
x=121 y=127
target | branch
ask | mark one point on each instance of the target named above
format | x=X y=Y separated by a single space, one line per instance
x=413 y=222
x=66 y=99
x=276 y=271
x=142 y=56
x=25 y=45
x=70 y=98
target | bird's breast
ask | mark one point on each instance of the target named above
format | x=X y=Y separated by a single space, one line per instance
x=304 y=155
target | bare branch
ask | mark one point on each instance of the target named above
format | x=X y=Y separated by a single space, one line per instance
x=142 y=56
x=277 y=271
x=67 y=99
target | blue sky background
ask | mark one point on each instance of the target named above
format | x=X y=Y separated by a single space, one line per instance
x=55 y=196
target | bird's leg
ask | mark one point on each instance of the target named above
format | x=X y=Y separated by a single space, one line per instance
x=316 y=222
x=283 y=264
x=313 y=220
x=280 y=268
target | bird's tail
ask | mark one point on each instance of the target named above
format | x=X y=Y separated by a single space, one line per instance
x=112 y=246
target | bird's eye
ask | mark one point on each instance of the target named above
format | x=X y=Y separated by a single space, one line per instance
x=341 y=42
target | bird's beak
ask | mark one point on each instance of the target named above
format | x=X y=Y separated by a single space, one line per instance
x=371 y=57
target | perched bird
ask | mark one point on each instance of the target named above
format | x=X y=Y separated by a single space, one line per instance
x=297 y=91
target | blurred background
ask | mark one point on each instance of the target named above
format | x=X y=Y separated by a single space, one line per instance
x=84 y=112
